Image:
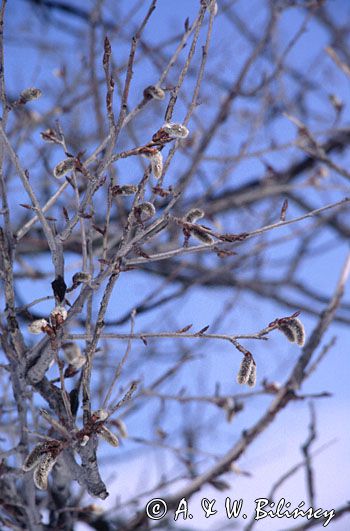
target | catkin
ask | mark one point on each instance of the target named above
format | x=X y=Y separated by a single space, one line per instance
x=100 y=414
x=34 y=457
x=299 y=331
x=64 y=167
x=43 y=469
x=201 y=235
x=252 y=376
x=108 y=436
x=73 y=355
x=80 y=277
x=175 y=130
x=157 y=164
x=29 y=94
x=147 y=208
x=36 y=327
x=245 y=368
x=125 y=189
x=59 y=314
x=294 y=330
x=287 y=331
x=154 y=92
x=194 y=215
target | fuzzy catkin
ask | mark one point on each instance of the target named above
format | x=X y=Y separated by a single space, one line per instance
x=299 y=331
x=34 y=457
x=43 y=469
x=30 y=94
x=245 y=368
x=100 y=414
x=125 y=189
x=194 y=215
x=73 y=355
x=152 y=91
x=63 y=167
x=287 y=331
x=252 y=376
x=147 y=208
x=59 y=313
x=201 y=235
x=36 y=327
x=157 y=164
x=81 y=277
x=175 y=130
x=108 y=436
x=294 y=330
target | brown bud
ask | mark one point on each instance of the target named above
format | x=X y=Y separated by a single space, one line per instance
x=50 y=135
